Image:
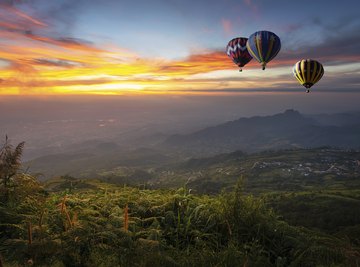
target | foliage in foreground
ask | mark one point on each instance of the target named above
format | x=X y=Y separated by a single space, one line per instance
x=104 y=225
x=113 y=226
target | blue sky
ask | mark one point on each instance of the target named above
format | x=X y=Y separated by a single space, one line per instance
x=175 y=28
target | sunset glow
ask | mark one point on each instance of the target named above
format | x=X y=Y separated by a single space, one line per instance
x=35 y=58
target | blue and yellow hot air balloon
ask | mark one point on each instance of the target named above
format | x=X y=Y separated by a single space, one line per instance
x=237 y=51
x=263 y=46
x=308 y=72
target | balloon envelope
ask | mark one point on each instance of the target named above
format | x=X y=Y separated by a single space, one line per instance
x=263 y=46
x=308 y=72
x=237 y=51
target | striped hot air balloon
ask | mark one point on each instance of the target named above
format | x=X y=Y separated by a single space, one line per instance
x=237 y=51
x=263 y=46
x=308 y=72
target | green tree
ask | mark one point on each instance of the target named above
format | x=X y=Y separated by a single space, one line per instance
x=10 y=162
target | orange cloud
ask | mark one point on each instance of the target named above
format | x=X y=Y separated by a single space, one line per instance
x=10 y=26
x=69 y=43
x=195 y=64
x=27 y=17
x=13 y=16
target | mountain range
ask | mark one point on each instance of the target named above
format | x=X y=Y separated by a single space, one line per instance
x=280 y=131
x=287 y=130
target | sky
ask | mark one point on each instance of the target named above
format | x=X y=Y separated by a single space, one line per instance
x=112 y=47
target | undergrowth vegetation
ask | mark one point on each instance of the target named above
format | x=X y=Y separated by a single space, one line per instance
x=108 y=225
x=113 y=226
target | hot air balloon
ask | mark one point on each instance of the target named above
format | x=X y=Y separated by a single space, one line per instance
x=308 y=72
x=263 y=46
x=237 y=51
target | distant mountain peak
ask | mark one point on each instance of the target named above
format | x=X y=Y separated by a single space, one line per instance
x=292 y=114
x=292 y=111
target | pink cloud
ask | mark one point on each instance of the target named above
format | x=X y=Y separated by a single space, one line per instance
x=227 y=26
x=248 y=2
x=12 y=16
x=252 y=6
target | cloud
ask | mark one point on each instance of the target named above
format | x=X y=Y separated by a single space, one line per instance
x=334 y=42
x=289 y=28
x=227 y=26
x=13 y=19
x=11 y=2
x=334 y=49
x=250 y=4
x=288 y=89
x=65 y=42
x=55 y=63
x=62 y=15
x=197 y=63
x=53 y=83
x=28 y=18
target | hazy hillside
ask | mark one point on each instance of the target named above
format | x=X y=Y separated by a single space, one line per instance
x=104 y=158
x=273 y=171
x=339 y=119
x=97 y=159
x=285 y=130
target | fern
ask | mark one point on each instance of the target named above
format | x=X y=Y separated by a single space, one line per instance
x=165 y=227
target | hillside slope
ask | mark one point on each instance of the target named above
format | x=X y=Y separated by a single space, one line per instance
x=285 y=130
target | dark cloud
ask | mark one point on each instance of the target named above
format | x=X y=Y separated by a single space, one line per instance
x=64 y=14
x=13 y=19
x=289 y=89
x=61 y=14
x=338 y=26
x=340 y=45
x=74 y=41
x=289 y=28
x=12 y=2
x=64 y=42
x=340 y=42
x=351 y=82
x=55 y=63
